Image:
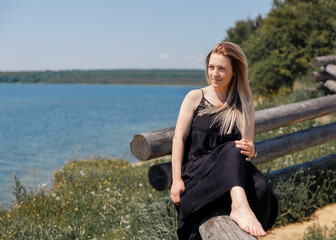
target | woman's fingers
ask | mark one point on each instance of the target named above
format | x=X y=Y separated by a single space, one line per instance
x=176 y=199
x=175 y=192
x=247 y=147
x=246 y=154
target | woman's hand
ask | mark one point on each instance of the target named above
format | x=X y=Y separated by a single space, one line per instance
x=247 y=148
x=175 y=192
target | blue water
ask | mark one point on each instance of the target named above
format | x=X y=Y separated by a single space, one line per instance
x=44 y=126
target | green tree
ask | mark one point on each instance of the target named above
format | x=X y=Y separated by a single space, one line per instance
x=281 y=48
x=242 y=30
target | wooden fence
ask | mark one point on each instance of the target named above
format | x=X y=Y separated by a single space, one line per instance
x=149 y=145
x=327 y=75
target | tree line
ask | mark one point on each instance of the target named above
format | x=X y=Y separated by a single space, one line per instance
x=168 y=77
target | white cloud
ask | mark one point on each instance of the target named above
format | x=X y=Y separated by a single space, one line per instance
x=164 y=56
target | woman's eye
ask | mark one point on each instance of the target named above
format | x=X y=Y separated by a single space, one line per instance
x=211 y=67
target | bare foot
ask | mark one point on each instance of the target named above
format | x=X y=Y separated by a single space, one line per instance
x=242 y=214
x=247 y=221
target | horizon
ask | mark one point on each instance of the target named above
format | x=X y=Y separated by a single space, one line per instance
x=115 y=69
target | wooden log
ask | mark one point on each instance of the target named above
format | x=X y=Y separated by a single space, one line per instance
x=320 y=163
x=320 y=76
x=271 y=149
x=220 y=226
x=160 y=175
x=285 y=115
x=331 y=69
x=331 y=85
x=149 y=145
x=323 y=60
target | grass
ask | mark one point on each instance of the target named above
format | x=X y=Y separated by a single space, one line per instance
x=112 y=199
x=91 y=199
x=317 y=232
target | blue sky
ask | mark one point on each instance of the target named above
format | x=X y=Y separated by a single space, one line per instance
x=116 y=34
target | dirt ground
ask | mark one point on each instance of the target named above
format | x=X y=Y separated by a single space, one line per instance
x=324 y=217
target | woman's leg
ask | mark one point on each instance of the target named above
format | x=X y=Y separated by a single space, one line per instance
x=242 y=214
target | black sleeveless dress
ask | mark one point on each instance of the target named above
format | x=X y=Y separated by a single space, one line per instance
x=211 y=166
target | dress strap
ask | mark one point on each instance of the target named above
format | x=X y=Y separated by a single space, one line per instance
x=202 y=93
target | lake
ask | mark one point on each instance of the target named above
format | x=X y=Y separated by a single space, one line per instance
x=43 y=126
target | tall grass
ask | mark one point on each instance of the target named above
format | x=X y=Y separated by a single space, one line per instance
x=91 y=199
x=317 y=232
x=112 y=199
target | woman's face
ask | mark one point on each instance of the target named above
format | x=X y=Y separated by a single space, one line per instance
x=220 y=71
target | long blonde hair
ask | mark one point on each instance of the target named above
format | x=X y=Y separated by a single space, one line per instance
x=238 y=108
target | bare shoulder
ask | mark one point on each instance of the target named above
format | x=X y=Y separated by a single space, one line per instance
x=193 y=98
x=195 y=94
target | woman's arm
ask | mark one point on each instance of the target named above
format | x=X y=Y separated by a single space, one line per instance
x=182 y=130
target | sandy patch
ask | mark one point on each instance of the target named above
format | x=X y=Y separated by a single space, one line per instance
x=324 y=216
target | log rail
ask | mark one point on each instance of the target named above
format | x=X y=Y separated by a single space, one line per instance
x=149 y=145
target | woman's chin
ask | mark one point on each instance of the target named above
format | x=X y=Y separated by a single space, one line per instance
x=216 y=85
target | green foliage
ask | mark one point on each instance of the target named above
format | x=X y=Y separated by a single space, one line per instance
x=281 y=48
x=303 y=193
x=19 y=191
x=243 y=29
x=317 y=232
x=169 y=77
x=111 y=199
x=92 y=199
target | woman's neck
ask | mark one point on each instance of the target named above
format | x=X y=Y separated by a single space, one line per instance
x=220 y=94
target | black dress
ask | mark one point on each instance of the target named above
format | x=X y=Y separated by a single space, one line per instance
x=211 y=166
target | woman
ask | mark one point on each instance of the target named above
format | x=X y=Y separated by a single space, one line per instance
x=212 y=149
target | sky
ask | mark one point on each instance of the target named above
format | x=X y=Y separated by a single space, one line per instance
x=39 y=35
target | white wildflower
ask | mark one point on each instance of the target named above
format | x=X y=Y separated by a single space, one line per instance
x=58 y=198
x=140 y=184
x=81 y=172
x=108 y=190
x=53 y=195
x=93 y=193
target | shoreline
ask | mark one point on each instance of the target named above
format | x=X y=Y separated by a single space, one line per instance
x=114 y=84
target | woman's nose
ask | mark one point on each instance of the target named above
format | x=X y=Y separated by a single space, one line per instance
x=215 y=72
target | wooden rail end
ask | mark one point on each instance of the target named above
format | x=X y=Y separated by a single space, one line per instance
x=160 y=176
x=140 y=147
